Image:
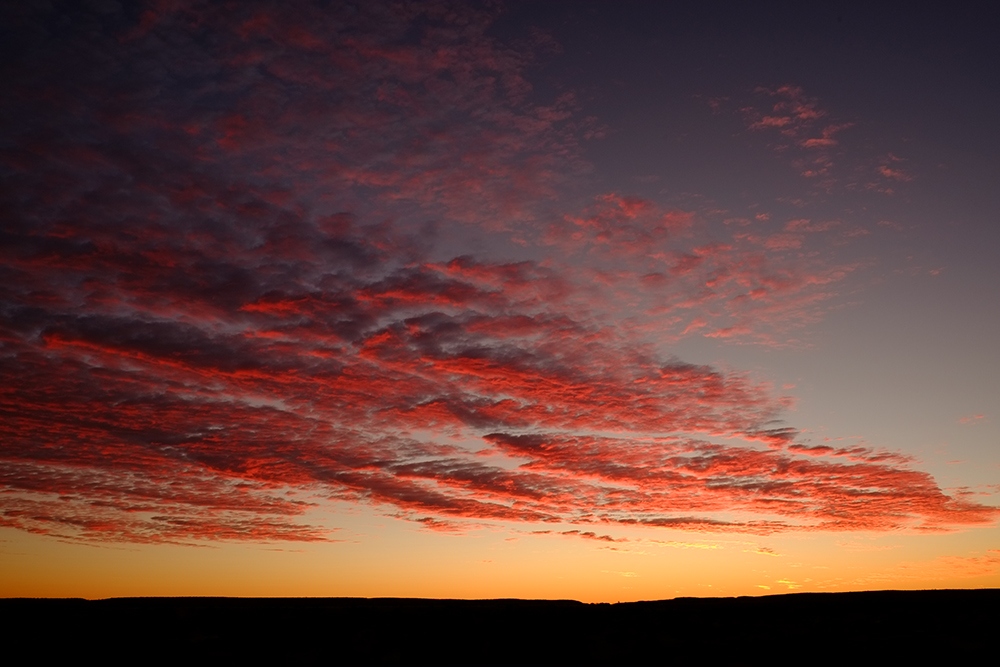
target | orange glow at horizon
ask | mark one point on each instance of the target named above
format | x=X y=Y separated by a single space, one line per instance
x=450 y=300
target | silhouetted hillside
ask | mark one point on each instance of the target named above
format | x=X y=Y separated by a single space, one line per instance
x=956 y=626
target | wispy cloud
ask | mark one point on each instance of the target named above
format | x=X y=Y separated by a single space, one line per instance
x=971 y=419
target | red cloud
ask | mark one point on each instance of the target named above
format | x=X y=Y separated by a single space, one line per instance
x=635 y=256
x=270 y=290
x=803 y=132
x=791 y=110
x=971 y=419
x=894 y=174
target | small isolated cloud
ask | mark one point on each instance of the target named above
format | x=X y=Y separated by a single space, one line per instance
x=826 y=138
x=890 y=173
x=764 y=551
x=972 y=419
x=686 y=545
x=894 y=174
x=591 y=535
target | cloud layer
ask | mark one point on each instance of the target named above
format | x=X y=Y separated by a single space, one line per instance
x=255 y=262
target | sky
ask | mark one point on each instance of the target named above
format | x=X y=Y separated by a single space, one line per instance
x=588 y=300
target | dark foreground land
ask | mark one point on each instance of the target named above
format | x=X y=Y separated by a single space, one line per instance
x=951 y=626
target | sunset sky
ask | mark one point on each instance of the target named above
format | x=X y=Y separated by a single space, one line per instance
x=590 y=300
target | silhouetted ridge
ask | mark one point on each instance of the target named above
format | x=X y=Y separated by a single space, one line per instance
x=863 y=628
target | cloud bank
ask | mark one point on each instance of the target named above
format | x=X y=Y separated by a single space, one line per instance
x=256 y=261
